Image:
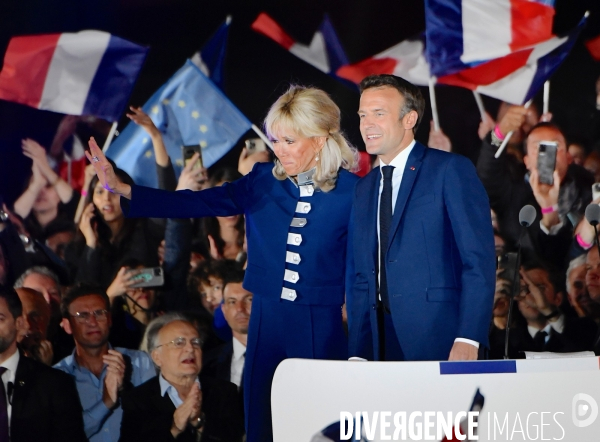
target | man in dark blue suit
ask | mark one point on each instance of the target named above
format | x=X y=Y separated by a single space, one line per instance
x=423 y=270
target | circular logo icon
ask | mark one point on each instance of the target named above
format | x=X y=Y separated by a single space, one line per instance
x=584 y=410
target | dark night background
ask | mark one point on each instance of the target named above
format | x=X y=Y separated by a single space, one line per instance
x=257 y=70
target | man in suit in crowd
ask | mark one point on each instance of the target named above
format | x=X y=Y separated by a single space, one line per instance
x=423 y=270
x=227 y=361
x=178 y=404
x=37 y=403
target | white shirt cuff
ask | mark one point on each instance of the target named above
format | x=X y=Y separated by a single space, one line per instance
x=553 y=230
x=468 y=341
x=356 y=358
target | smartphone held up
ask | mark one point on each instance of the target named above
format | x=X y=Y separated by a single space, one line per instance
x=546 y=161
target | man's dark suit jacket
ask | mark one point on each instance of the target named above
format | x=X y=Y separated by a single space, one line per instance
x=440 y=259
x=217 y=363
x=45 y=405
x=148 y=416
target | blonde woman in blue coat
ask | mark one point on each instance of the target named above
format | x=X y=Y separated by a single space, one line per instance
x=297 y=213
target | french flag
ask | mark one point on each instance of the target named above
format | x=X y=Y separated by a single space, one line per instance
x=84 y=73
x=406 y=60
x=324 y=52
x=464 y=33
x=517 y=77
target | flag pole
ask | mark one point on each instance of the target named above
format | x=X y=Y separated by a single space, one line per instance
x=262 y=136
x=508 y=135
x=480 y=105
x=434 y=111
x=111 y=134
x=546 y=107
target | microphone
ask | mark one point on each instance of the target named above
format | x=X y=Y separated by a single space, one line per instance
x=592 y=215
x=527 y=216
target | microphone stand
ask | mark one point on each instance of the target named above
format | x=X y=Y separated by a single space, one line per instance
x=516 y=287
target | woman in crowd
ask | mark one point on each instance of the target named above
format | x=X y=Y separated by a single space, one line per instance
x=106 y=238
x=48 y=198
x=297 y=213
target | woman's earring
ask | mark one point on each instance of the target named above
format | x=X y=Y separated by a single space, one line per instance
x=317 y=157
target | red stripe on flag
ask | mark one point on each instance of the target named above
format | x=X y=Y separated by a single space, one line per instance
x=531 y=23
x=269 y=27
x=356 y=72
x=489 y=72
x=26 y=65
x=593 y=46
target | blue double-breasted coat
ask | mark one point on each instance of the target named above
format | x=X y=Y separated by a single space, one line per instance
x=297 y=239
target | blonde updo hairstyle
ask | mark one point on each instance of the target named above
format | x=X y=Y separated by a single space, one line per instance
x=310 y=112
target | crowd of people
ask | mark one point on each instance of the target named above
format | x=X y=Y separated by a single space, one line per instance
x=146 y=321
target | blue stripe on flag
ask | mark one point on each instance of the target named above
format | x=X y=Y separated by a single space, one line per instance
x=444 y=33
x=475 y=367
x=549 y=63
x=114 y=79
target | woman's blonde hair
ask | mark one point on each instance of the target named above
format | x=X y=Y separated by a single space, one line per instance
x=310 y=112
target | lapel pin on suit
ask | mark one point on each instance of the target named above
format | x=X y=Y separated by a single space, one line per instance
x=412 y=167
x=21 y=383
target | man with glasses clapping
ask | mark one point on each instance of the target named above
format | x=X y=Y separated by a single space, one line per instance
x=178 y=404
x=101 y=372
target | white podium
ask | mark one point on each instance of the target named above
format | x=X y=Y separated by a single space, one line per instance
x=524 y=400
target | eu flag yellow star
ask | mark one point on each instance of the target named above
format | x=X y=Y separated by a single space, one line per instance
x=155 y=109
x=181 y=104
x=203 y=144
x=148 y=154
x=195 y=115
x=145 y=140
x=203 y=128
x=166 y=101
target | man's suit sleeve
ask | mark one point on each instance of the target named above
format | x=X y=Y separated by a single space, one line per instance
x=360 y=340
x=67 y=412
x=468 y=210
x=139 y=424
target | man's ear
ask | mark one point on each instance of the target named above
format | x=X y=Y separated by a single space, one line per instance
x=66 y=325
x=410 y=120
x=155 y=355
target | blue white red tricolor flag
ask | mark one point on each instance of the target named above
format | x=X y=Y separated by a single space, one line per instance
x=517 y=77
x=211 y=58
x=464 y=33
x=83 y=73
x=324 y=52
x=406 y=60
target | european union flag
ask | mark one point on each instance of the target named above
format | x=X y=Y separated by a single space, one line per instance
x=188 y=110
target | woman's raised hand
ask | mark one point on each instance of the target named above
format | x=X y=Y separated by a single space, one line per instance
x=104 y=170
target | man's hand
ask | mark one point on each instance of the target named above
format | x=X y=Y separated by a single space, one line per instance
x=461 y=351
x=188 y=411
x=113 y=381
x=438 y=139
x=248 y=160
x=513 y=119
x=486 y=125
x=546 y=196
x=536 y=297
x=192 y=178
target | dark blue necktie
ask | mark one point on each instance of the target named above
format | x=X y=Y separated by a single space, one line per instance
x=385 y=221
x=3 y=410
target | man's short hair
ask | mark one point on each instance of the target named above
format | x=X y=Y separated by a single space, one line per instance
x=573 y=264
x=555 y=277
x=234 y=276
x=413 y=99
x=547 y=125
x=40 y=270
x=158 y=323
x=10 y=295
x=79 y=291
